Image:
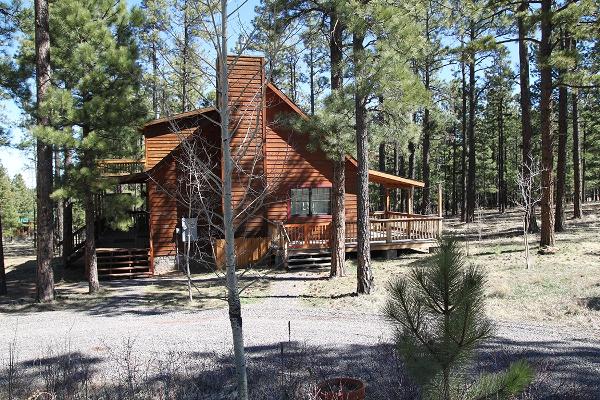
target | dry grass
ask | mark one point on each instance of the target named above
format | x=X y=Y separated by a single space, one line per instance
x=158 y=294
x=563 y=288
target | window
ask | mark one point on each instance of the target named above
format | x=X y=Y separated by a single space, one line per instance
x=310 y=201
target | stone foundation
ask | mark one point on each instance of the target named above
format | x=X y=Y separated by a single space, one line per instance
x=164 y=265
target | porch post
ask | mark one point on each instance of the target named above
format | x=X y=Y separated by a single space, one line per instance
x=386 y=202
x=411 y=193
x=440 y=211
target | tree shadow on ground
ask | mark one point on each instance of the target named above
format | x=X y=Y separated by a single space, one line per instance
x=288 y=370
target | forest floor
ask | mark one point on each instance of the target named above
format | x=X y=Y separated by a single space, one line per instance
x=301 y=326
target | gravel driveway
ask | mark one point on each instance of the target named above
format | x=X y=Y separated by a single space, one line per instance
x=568 y=359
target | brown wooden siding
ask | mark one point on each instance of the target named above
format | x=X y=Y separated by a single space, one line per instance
x=291 y=164
x=246 y=87
x=163 y=208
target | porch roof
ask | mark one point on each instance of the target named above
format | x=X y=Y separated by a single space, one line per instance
x=388 y=180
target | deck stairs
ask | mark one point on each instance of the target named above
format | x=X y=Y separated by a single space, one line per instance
x=307 y=259
x=122 y=263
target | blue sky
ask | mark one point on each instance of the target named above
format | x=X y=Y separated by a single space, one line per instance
x=18 y=161
x=22 y=162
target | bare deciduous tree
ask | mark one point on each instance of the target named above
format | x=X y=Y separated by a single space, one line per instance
x=529 y=196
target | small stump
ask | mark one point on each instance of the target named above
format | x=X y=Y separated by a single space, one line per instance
x=341 y=389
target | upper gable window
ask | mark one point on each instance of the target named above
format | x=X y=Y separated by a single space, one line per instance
x=310 y=201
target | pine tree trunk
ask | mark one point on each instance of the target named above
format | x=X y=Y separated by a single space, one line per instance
x=233 y=296
x=454 y=194
x=577 y=187
x=463 y=162
x=525 y=100
x=411 y=171
x=338 y=218
x=59 y=203
x=3 y=288
x=547 y=215
x=67 y=216
x=501 y=183
x=425 y=200
x=583 y=162
x=91 y=261
x=471 y=184
x=44 y=239
x=382 y=168
x=364 y=274
x=561 y=163
x=184 y=59
x=155 y=80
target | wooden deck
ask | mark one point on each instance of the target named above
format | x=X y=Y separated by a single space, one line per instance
x=388 y=231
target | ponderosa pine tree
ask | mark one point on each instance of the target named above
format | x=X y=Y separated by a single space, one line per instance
x=44 y=226
x=153 y=48
x=438 y=316
x=95 y=105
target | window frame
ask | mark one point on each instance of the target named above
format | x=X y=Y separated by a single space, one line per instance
x=311 y=212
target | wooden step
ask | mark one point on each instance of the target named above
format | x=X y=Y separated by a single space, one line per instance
x=295 y=259
x=136 y=268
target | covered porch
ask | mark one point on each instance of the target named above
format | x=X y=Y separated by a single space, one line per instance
x=388 y=230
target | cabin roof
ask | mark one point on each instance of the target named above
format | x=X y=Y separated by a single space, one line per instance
x=385 y=179
x=192 y=113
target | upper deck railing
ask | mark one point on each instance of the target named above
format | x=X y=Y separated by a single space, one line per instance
x=120 y=167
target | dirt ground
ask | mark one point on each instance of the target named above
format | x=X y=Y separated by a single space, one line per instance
x=563 y=288
x=548 y=315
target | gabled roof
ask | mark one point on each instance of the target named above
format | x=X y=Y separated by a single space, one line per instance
x=385 y=179
x=174 y=117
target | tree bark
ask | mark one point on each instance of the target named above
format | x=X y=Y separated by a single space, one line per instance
x=547 y=215
x=338 y=218
x=411 y=171
x=59 y=203
x=525 y=102
x=577 y=192
x=91 y=261
x=561 y=162
x=3 y=288
x=184 y=59
x=471 y=184
x=382 y=169
x=463 y=162
x=501 y=183
x=44 y=239
x=233 y=296
x=364 y=274
x=67 y=216
x=425 y=199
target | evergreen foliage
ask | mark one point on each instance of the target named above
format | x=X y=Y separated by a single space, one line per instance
x=437 y=313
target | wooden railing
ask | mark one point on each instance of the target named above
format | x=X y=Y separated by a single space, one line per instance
x=307 y=236
x=396 y=229
x=382 y=230
x=120 y=167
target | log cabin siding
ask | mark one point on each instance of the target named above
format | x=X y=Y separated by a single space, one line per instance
x=163 y=208
x=246 y=102
x=292 y=164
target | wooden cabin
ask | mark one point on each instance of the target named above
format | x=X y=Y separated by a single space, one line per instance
x=292 y=224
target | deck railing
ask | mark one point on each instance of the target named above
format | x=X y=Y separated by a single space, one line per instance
x=397 y=229
x=400 y=227
x=120 y=167
x=310 y=235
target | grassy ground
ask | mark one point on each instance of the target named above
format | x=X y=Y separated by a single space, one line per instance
x=563 y=288
x=161 y=294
